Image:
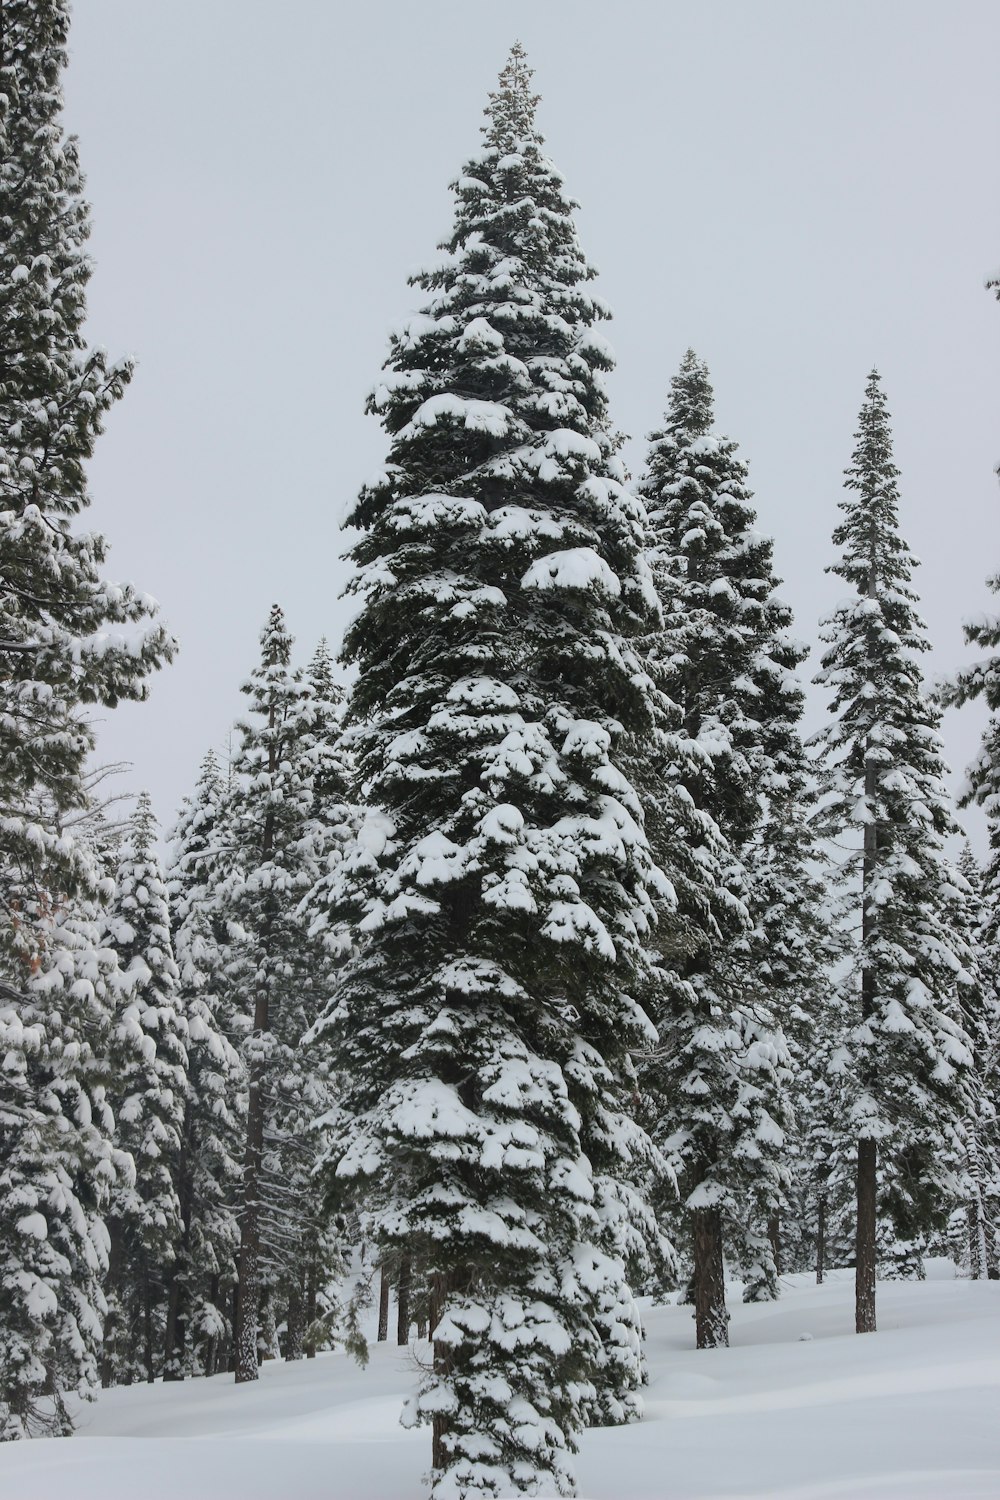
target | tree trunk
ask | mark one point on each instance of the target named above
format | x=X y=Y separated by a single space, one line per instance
x=147 y=1323
x=403 y=1302
x=311 y=1300
x=295 y=1321
x=976 y=1213
x=231 y=1360
x=383 y=1306
x=710 y=1315
x=774 y=1236
x=820 y=1239
x=864 y=1285
x=248 y=1302
x=867 y=1185
x=442 y=1368
x=177 y=1298
x=112 y=1323
x=212 y=1351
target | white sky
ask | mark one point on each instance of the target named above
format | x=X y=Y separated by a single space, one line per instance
x=799 y=191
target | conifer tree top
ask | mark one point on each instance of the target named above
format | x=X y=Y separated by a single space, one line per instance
x=510 y=113
x=691 y=404
x=275 y=642
x=875 y=554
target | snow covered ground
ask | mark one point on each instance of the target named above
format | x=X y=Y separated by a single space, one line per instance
x=800 y=1408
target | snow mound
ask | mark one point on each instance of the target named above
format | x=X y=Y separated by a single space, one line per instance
x=906 y=1414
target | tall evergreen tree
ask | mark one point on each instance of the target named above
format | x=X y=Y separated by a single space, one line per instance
x=500 y=881
x=202 y=1279
x=981 y=681
x=718 y=1084
x=980 y=1010
x=282 y=820
x=147 y=1058
x=68 y=638
x=905 y=1081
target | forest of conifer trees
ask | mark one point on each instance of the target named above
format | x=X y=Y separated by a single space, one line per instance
x=521 y=956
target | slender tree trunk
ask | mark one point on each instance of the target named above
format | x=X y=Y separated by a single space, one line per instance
x=295 y=1321
x=147 y=1323
x=867 y=1184
x=383 y=1306
x=774 y=1236
x=976 y=1213
x=442 y=1368
x=112 y=1323
x=820 y=1239
x=267 y=1338
x=248 y=1303
x=311 y=1300
x=212 y=1350
x=177 y=1297
x=403 y=1302
x=864 y=1291
x=710 y=1315
x=231 y=1361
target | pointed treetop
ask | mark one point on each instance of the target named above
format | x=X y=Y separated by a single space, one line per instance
x=210 y=774
x=321 y=675
x=275 y=641
x=875 y=556
x=511 y=110
x=142 y=828
x=692 y=401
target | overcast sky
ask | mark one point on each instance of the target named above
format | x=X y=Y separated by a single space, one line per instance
x=798 y=191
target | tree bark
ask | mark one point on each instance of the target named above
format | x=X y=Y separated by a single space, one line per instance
x=311 y=1300
x=383 y=1306
x=867 y=1185
x=248 y=1303
x=864 y=1284
x=403 y=1302
x=442 y=1368
x=231 y=1353
x=774 y=1236
x=147 y=1323
x=111 y=1322
x=976 y=1213
x=820 y=1239
x=710 y=1315
x=295 y=1321
x=177 y=1299
x=212 y=1347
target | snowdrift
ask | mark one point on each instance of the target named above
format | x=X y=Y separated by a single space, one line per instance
x=800 y=1408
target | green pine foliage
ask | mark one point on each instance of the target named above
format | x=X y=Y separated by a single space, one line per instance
x=717 y=1088
x=285 y=822
x=69 y=638
x=147 y=1062
x=199 y=1330
x=905 y=1067
x=500 y=884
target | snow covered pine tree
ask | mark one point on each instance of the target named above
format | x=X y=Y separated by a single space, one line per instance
x=283 y=815
x=147 y=1065
x=67 y=638
x=501 y=879
x=907 y=1057
x=981 y=680
x=715 y=1090
x=202 y=1278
